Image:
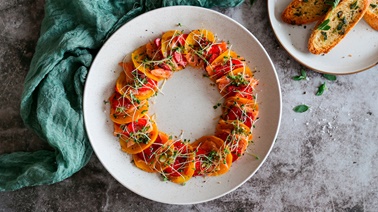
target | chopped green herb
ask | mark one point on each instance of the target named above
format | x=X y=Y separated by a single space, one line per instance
x=324 y=25
x=324 y=34
x=301 y=108
x=340 y=14
x=342 y=31
x=321 y=89
x=340 y=26
x=333 y=3
x=329 y=77
x=373 y=6
x=353 y=5
x=226 y=151
x=217 y=105
x=179 y=24
x=238 y=79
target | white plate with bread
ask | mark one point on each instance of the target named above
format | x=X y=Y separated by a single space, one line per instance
x=356 y=51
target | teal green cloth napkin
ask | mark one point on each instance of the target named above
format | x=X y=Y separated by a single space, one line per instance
x=71 y=34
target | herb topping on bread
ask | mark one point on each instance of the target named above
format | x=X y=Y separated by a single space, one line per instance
x=334 y=26
x=304 y=11
x=371 y=15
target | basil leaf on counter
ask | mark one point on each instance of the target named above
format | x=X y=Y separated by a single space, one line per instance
x=329 y=77
x=321 y=89
x=301 y=77
x=301 y=108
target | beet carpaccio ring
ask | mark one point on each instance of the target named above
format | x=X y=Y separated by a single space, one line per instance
x=175 y=159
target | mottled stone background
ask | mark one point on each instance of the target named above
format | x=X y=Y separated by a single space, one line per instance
x=323 y=160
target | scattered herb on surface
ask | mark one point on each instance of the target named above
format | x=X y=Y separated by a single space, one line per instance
x=301 y=108
x=329 y=77
x=321 y=89
x=301 y=77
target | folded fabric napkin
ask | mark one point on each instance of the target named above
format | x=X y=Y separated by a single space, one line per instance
x=71 y=34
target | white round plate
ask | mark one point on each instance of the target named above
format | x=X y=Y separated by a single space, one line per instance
x=185 y=105
x=358 y=51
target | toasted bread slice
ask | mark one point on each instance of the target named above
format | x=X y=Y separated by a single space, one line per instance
x=304 y=11
x=371 y=15
x=336 y=24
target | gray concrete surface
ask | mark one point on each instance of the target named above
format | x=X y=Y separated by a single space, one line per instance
x=323 y=160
